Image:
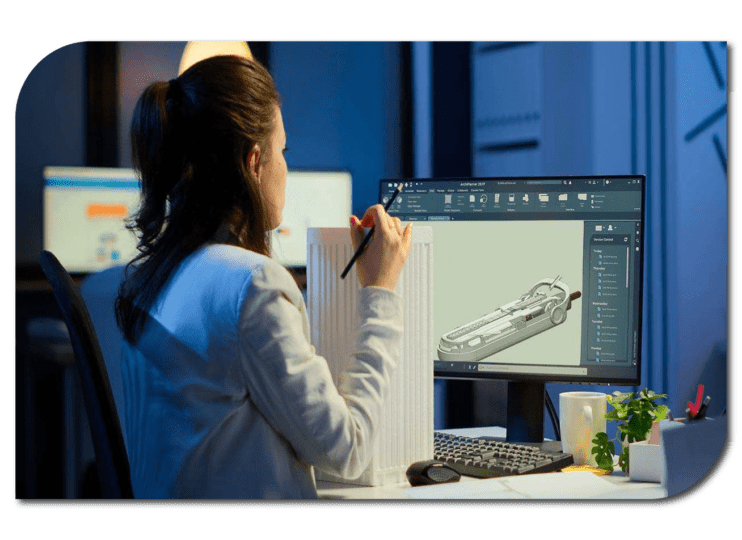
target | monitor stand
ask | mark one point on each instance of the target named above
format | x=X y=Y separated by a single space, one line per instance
x=525 y=414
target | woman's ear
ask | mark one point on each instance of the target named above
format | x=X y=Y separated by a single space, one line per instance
x=253 y=161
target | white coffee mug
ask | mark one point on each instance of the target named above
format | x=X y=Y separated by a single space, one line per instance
x=581 y=417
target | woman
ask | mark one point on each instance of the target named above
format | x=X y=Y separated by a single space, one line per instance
x=225 y=396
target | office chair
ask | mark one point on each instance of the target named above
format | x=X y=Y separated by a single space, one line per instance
x=99 y=291
x=108 y=441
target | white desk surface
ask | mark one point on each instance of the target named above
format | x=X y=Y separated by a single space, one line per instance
x=572 y=485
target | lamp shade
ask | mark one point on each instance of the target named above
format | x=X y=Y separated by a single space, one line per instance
x=195 y=51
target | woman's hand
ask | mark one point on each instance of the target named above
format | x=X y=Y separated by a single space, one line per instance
x=381 y=262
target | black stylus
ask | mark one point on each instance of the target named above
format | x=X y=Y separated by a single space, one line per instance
x=370 y=233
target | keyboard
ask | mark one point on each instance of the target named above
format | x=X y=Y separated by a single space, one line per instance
x=484 y=458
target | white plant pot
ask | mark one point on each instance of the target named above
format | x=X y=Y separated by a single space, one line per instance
x=646 y=463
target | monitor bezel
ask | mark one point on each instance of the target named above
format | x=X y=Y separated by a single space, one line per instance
x=558 y=379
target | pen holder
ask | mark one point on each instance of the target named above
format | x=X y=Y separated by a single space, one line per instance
x=691 y=450
x=406 y=427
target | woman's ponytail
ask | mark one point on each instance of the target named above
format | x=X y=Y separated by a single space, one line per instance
x=157 y=154
x=190 y=138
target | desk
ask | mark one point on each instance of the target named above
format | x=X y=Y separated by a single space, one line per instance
x=572 y=485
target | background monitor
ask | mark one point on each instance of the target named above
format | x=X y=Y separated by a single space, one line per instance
x=84 y=212
x=313 y=199
x=536 y=280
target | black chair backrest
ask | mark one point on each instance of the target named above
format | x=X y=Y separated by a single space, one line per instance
x=108 y=440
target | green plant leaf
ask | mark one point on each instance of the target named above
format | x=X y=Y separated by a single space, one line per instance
x=623 y=460
x=661 y=412
x=639 y=425
x=620 y=396
x=634 y=414
x=603 y=451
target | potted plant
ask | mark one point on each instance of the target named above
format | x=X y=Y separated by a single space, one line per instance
x=634 y=413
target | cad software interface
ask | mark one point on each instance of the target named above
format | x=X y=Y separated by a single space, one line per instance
x=536 y=278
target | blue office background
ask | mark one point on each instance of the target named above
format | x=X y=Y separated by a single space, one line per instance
x=340 y=104
x=657 y=109
x=341 y=110
x=595 y=108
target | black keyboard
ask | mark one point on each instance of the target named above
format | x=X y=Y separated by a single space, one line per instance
x=488 y=458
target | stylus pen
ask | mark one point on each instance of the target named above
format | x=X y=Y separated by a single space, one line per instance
x=370 y=234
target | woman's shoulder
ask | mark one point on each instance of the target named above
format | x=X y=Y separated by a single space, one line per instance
x=227 y=256
x=224 y=280
x=255 y=272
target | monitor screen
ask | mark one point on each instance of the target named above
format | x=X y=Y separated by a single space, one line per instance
x=84 y=213
x=535 y=278
x=313 y=199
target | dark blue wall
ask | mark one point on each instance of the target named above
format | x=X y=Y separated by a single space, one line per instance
x=50 y=130
x=698 y=220
x=341 y=110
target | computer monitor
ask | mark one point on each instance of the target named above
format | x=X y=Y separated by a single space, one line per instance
x=313 y=199
x=84 y=212
x=536 y=280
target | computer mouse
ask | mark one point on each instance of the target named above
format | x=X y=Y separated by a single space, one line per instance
x=423 y=473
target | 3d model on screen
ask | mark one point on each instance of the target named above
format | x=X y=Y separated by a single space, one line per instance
x=544 y=306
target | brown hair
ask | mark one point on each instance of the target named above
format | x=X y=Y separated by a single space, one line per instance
x=191 y=138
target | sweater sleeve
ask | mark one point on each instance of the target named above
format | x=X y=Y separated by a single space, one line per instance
x=329 y=427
